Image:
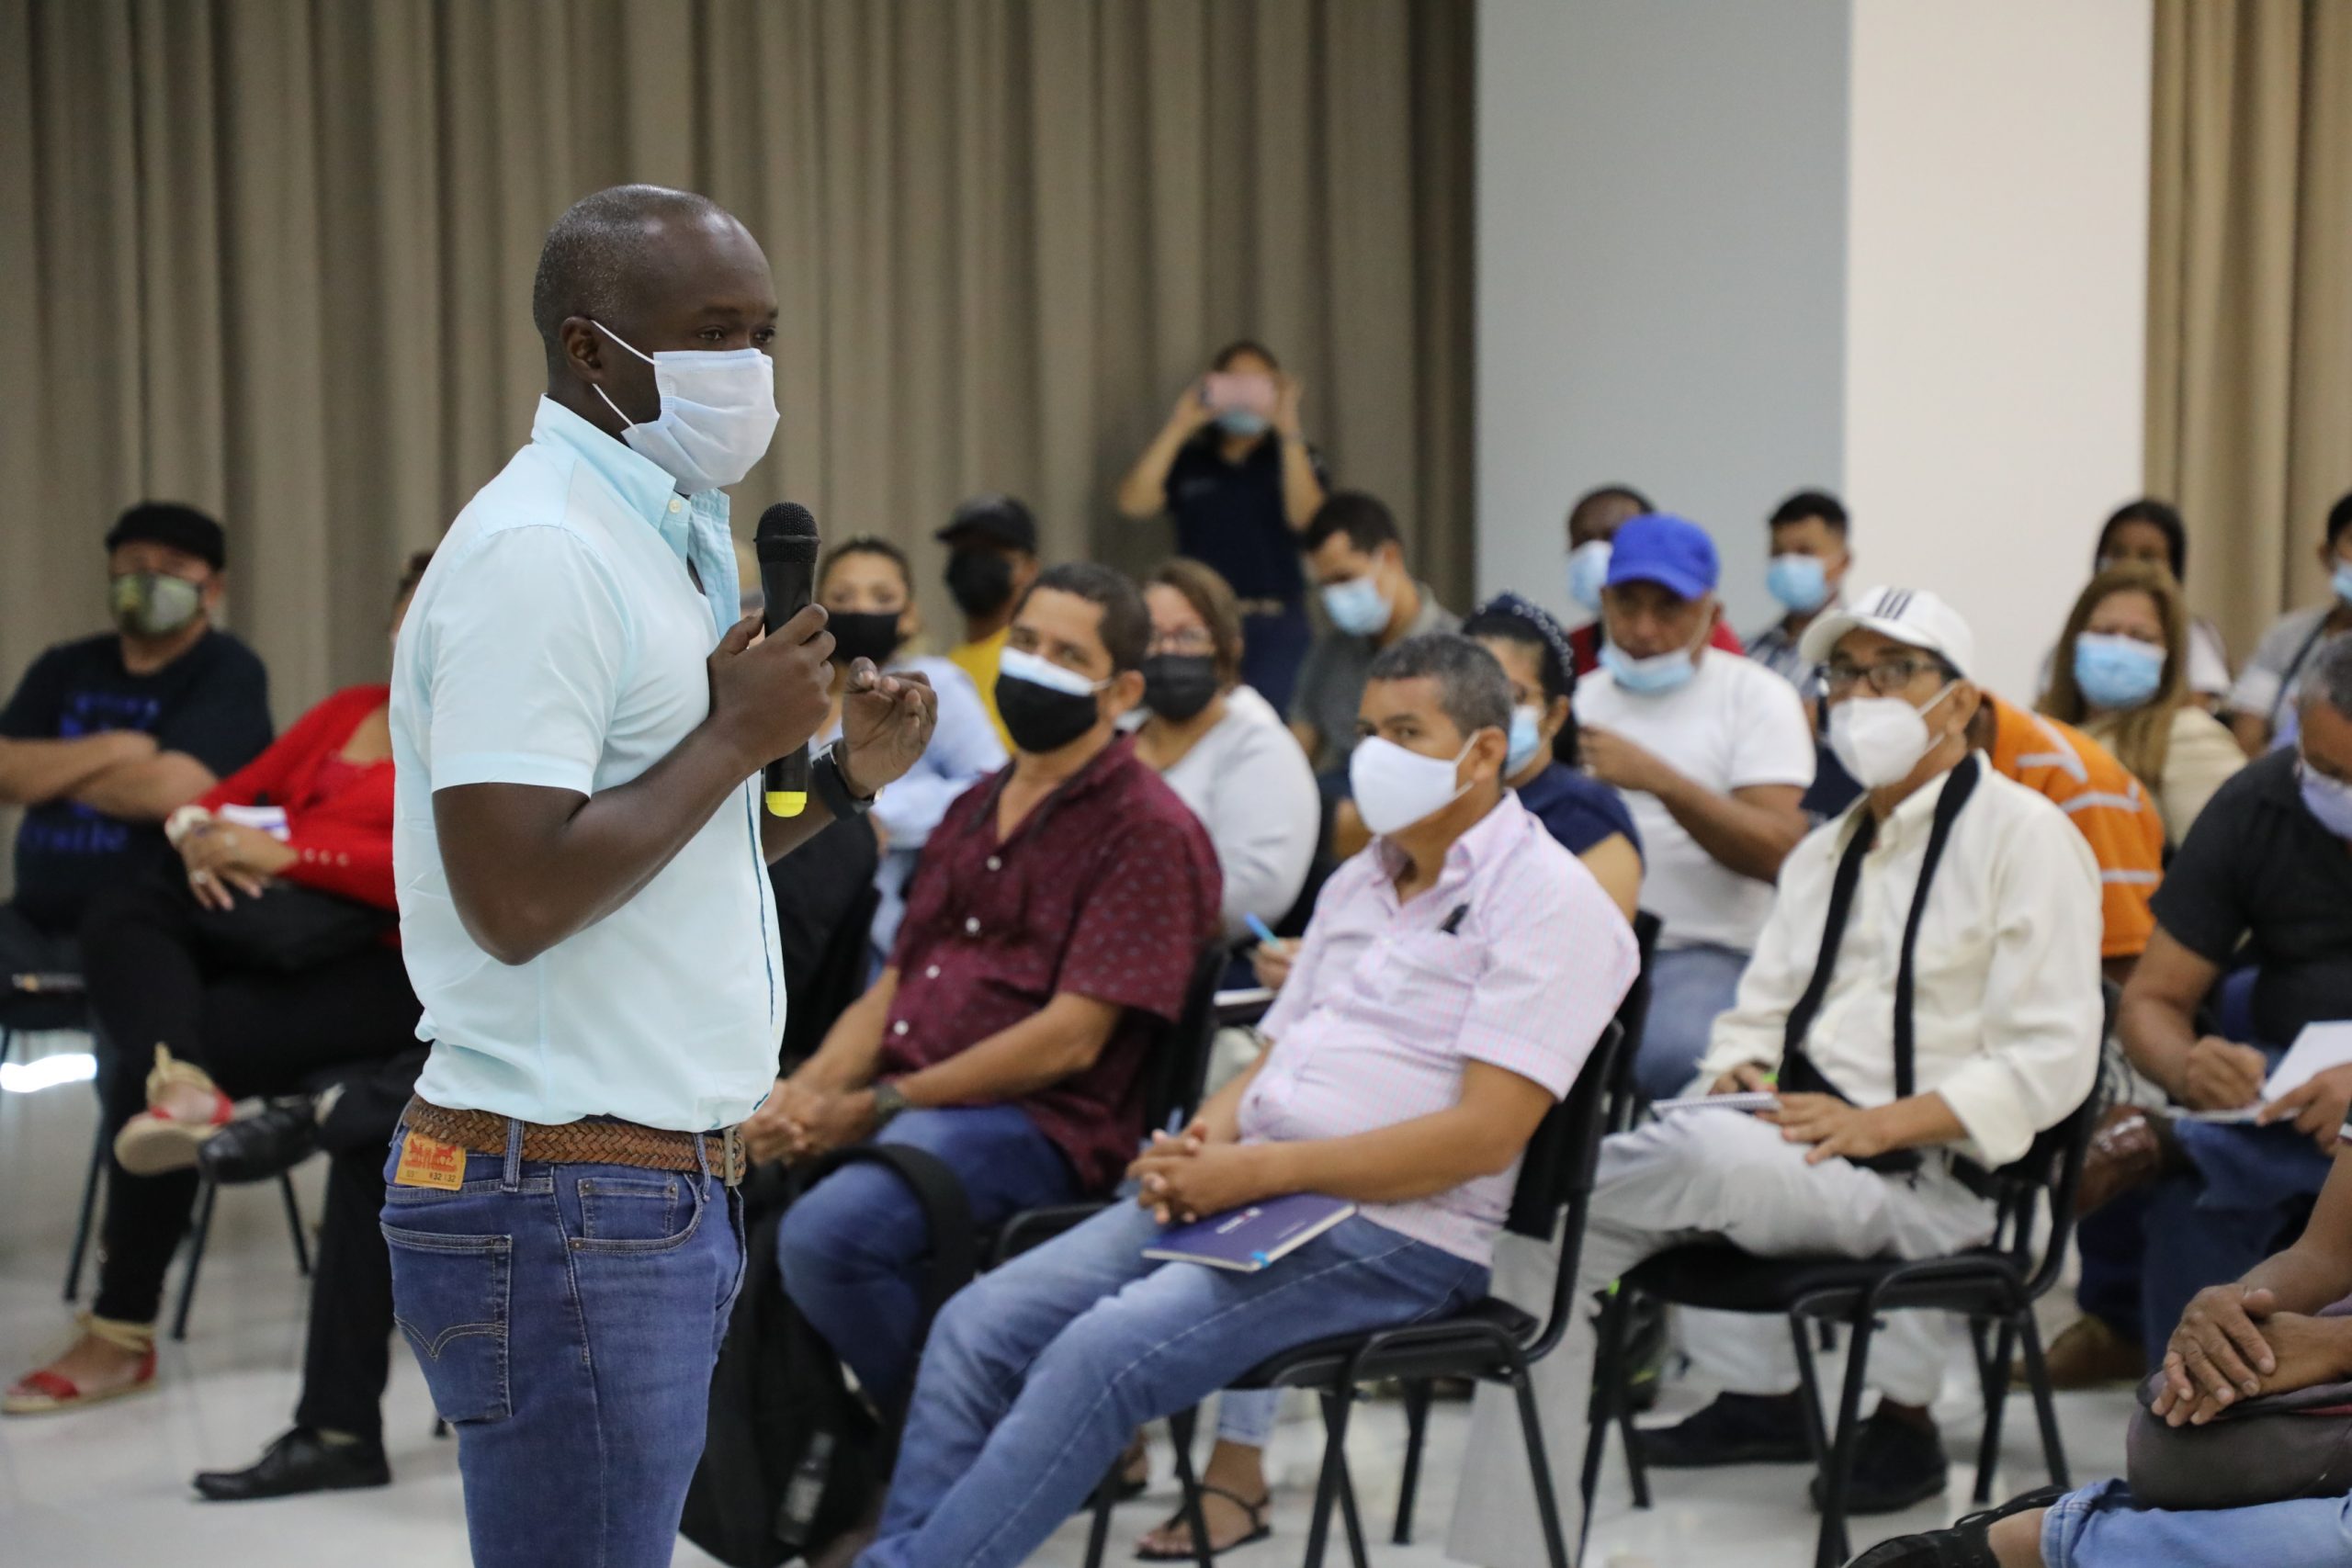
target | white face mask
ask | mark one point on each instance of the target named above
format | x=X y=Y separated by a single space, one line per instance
x=1880 y=740
x=1395 y=788
x=718 y=414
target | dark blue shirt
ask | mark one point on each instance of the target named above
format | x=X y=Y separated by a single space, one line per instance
x=1578 y=810
x=211 y=703
x=1229 y=515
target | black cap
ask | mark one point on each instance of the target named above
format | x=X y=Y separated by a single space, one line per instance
x=995 y=519
x=169 y=523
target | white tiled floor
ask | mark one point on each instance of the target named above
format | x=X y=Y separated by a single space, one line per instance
x=108 y=1487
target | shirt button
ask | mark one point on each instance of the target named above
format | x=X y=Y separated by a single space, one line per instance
x=972 y=925
x=932 y=973
x=899 y=1027
x=676 y=503
x=996 y=862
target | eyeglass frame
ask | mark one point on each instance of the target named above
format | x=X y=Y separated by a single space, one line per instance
x=1886 y=677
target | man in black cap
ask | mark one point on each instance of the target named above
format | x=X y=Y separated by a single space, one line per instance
x=107 y=736
x=991 y=560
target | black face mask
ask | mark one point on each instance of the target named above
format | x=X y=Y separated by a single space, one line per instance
x=1178 y=685
x=980 y=581
x=1041 y=719
x=863 y=635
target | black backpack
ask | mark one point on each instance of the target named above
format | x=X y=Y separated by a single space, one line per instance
x=778 y=1396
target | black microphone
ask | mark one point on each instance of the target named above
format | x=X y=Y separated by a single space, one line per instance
x=786 y=546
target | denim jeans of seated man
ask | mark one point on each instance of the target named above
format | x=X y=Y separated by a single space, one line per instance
x=2099 y=1527
x=567 y=1318
x=1038 y=1373
x=853 y=1247
x=1690 y=987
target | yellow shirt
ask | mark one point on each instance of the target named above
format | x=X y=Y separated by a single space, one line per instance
x=979 y=660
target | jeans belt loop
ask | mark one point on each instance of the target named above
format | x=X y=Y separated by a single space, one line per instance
x=510 y=1180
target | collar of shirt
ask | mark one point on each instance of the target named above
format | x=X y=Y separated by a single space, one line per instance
x=1912 y=819
x=646 y=488
x=1099 y=772
x=1494 y=834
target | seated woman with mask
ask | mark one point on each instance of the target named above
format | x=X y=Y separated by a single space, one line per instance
x=869 y=594
x=2122 y=675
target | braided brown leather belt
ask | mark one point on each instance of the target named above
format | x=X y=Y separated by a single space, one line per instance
x=592 y=1142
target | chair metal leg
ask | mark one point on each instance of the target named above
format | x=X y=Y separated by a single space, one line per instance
x=1326 y=1487
x=1182 y=1427
x=2044 y=1407
x=1996 y=1395
x=1547 y=1499
x=1832 y=1549
x=1098 y=1537
x=294 y=1225
x=1417 y=1427
x=1620 y=1398
x=1349 y=1514
x=1809 y=1391
x=89 y=1215
x=206 y=1197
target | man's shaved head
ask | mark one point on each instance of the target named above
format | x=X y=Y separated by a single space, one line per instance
x=601 y=253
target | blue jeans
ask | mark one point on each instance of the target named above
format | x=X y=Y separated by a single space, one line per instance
x=2100 y=1528
x=1037 y=1374
x=2252 y=1187
x=567 y=1318
x=853 y=1247
x=1689 y=987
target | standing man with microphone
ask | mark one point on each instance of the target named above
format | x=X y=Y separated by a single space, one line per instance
x=580 y=844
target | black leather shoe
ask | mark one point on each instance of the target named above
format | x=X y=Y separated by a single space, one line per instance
x=300 y=1461
x=279 y=1136
x=1896 y=1464
x=1738 y=1428
x=1963 y=1546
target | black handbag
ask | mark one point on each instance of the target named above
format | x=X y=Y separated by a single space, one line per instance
x=288 y=929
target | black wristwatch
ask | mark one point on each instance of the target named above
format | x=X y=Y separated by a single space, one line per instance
x=830 y=784
x=888 y=1100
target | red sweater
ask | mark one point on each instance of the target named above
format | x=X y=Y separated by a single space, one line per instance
x=341 y=828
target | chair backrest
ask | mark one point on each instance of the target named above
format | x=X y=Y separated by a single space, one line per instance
x=1176 y=1072
x=2048 y=1174
x=1557 y=1171
x=1632 y=1014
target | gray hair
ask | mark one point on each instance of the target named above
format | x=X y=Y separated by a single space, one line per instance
x=1471 y=686
x=2329 y=676
x=593 y=258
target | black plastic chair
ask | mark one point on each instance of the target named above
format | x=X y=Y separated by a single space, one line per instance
x=1994 y=1286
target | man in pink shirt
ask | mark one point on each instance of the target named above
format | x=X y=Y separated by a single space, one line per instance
x=1456 y=975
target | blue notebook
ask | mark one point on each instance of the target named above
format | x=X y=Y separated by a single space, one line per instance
x=1246 y=1240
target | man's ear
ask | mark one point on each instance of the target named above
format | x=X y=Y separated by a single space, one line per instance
x=216 y=588
x=1125 y=692
x=583 y=349
x=1490 y=747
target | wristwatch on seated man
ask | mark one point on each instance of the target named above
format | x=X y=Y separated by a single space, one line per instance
x=888 y=1100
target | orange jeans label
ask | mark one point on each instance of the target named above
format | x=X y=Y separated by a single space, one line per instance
x=428 y=1162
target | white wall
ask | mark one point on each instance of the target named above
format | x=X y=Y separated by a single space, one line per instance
x=1997 y=283
x=1661 y=259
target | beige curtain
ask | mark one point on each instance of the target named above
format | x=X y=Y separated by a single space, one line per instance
x=2250 y=294
x=274 y=257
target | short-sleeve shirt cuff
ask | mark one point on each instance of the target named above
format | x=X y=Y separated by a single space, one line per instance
x=515 y=768
x=1541 y=1064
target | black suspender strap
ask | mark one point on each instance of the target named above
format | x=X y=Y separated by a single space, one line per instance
x=1798 y=1073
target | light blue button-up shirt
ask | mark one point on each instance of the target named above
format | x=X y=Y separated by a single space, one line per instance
x=557 y=640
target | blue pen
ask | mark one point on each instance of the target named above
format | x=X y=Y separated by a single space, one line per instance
x=1260 y=929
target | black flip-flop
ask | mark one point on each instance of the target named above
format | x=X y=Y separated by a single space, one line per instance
x=1259 y=1528
x=1963 y=1546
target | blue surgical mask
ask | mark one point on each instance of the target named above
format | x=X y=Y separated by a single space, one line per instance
x=1526 y=735
x=2343 y=580
x=1357 y=606
x=1798 y=582
x=2116 y=671
x=1241 y=421
x=1654 y=676
x=2328 y=800
x=1589 y=573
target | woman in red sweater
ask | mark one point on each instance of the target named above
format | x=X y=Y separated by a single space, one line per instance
x=272 y=960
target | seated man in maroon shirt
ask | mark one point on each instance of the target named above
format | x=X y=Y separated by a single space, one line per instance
x=1052 y=927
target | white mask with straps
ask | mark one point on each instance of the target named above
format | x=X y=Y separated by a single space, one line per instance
x=1880 y=740
x=718 y=414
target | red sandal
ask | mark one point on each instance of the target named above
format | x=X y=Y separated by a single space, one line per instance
x=45 y=1391
x=155 y=1140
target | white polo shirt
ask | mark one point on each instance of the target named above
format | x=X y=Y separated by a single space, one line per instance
x=1733 y=724
x=557 y=640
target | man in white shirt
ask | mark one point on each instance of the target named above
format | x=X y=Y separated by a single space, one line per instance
x=1714 y=753
x=2003 y=1036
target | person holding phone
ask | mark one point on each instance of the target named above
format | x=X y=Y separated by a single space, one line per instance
x=1232 y=468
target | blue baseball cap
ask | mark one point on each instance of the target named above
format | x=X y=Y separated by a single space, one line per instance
x=1673 y=552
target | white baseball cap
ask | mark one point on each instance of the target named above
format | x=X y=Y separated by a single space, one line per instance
x=1909 y=616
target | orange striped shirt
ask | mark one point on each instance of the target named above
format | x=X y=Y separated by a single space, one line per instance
x=2107 y=807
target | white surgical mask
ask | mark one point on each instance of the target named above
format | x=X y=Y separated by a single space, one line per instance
x=1880 y=740
x=1395 y=788
x=718 y=414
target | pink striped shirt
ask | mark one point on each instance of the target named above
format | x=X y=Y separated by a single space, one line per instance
x=1515 y=957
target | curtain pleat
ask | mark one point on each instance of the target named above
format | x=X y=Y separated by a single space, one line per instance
x=274 y=257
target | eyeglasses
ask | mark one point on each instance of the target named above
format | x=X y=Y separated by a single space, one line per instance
x=1887 y=677
x=1191 y=640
